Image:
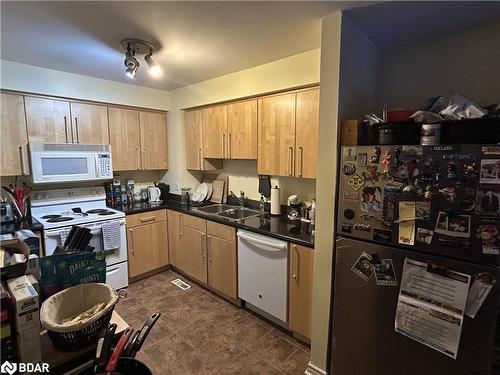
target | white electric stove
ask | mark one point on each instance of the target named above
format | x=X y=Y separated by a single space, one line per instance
x=60 y=209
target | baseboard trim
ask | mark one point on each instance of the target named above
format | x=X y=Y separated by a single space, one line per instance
x=314 y=370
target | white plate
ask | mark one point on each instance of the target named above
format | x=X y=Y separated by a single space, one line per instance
x=210 y=190
x=200 y=193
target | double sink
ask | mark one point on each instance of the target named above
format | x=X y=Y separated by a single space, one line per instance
x=233 y=213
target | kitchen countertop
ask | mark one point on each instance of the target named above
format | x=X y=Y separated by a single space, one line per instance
x=32 y=224
x=279 y=227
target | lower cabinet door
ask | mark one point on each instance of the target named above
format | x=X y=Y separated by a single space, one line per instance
x=194 y=253
x=174 y=238
x=222 y=265
x=147 y=248
x=301 y=281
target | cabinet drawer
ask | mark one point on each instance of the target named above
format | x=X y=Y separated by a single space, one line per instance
x=194 y=223
x=222 y=231
x=146 y=217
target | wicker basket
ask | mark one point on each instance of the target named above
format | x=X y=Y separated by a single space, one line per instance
x=71 y=302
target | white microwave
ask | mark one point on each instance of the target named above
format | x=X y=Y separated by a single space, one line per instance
x=53 y=162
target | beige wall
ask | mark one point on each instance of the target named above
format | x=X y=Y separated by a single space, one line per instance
x=325 y=191
x=463 y=63
x=293 y=71
x=29 y=78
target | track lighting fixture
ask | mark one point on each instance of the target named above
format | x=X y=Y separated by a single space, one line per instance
x=136 y=46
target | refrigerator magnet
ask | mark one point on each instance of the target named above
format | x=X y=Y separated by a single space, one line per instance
x=489 y=234
x=349 y=169
x=384 y=273
x=488 y=200
x=346 y=228
x=453 y=226
x=481 y=287
x=349 y=154
x=490 y=171
x=424 y=236
x=350 y=197
x=363 y=266
x=382 y=235
x=362 y=159
x=355 y=182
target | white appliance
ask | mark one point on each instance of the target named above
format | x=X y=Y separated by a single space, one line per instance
x=55 y=210
x=263 y=274
x=154 y=194
x=67 y=162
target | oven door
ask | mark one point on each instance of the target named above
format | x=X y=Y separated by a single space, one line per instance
x=114 y=256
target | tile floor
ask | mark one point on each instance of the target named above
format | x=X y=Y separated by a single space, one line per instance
x=199 y=333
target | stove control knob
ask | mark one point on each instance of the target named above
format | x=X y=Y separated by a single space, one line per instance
x=38 y=197
x=45 y=196
x=93 y=192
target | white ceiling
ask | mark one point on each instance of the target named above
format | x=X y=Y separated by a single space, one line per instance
x=198 y=40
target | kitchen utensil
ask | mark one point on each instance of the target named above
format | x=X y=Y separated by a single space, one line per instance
x=103 y=348
x=164 y=191
x=210 y=190
x=154 y=194
x=78 y=210
x=140 y=337
x=217 y=191
x=200 y=192
x=185 y=195
x=113 y=361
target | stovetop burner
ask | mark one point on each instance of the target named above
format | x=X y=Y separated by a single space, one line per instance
x=58 y=218
x=96 y=211
x=105 y=213
x=51 y=216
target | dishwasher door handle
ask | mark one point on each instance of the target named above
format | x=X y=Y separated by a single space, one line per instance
x=271 y=245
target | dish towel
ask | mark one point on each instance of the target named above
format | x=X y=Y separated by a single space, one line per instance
x=111 y=235
x=63 y=233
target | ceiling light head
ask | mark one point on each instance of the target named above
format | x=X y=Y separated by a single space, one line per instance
x=133 y=47
x=154 y=69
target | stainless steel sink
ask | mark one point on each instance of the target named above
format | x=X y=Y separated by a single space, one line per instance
x=234 y=213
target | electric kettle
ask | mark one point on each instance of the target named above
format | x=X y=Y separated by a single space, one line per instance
x=154 y=194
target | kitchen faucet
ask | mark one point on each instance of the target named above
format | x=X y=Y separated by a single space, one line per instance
x=241 y=199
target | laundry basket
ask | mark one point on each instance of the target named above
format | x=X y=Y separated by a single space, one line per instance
x=71 y=302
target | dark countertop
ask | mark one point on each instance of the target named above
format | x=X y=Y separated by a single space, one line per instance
x=278 y=227
x=18 y=225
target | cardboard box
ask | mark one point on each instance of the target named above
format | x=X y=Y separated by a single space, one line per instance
x=349 y=133
x=30 y=239
x=29 y=347
x=34 y=282
x=33 y=267
x=14 y=246
x=26 y=305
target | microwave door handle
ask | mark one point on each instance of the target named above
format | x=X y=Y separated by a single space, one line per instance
x=97 y=172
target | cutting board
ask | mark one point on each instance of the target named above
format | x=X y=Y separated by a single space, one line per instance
x=220 y=186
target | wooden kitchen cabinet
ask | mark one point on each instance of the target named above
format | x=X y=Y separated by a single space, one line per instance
x=89 y=123
x=147 y=242
x=48 y=120
x=175 y=239
x=14 y=155
x=276 y=135
x=300 y=281
x=124 y=137
x=242 y=130
x=153 y=130
x=306 y=133
x=193 y=133
x=288 y=134
x=194 y=248
x=222 y=265
x=214 y=122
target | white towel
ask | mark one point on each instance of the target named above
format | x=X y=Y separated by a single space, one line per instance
x=111 y=235
x=63 y=233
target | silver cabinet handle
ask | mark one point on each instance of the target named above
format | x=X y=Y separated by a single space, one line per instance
x=301 y=160
x=23 y=162
x=131 y=245
x=66 y=128
x=290 y=160
x=203 y=248
x=77 y=132
x=229 y=147
x=199 y=158
x=180 y=226
x=295 y=270
x=138 y=158
x=144 y=166
x=223 y=138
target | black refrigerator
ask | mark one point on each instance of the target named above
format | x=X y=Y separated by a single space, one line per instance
x=416 y=285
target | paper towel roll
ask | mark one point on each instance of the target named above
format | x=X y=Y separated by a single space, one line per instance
x=275 y=201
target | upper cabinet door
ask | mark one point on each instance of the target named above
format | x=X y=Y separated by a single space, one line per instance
x=306 y=132
x=192 y=128
x=90 y=123
x=125 y=139
x=276 y=135
x=48 y=120
x=214 y=132
x=154 y=140
x=14 y=155
x=242 y=130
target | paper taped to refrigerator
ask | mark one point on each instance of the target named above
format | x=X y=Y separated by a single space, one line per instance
x=431 y=306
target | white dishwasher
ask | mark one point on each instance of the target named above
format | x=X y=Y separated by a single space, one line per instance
x=263 y=274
